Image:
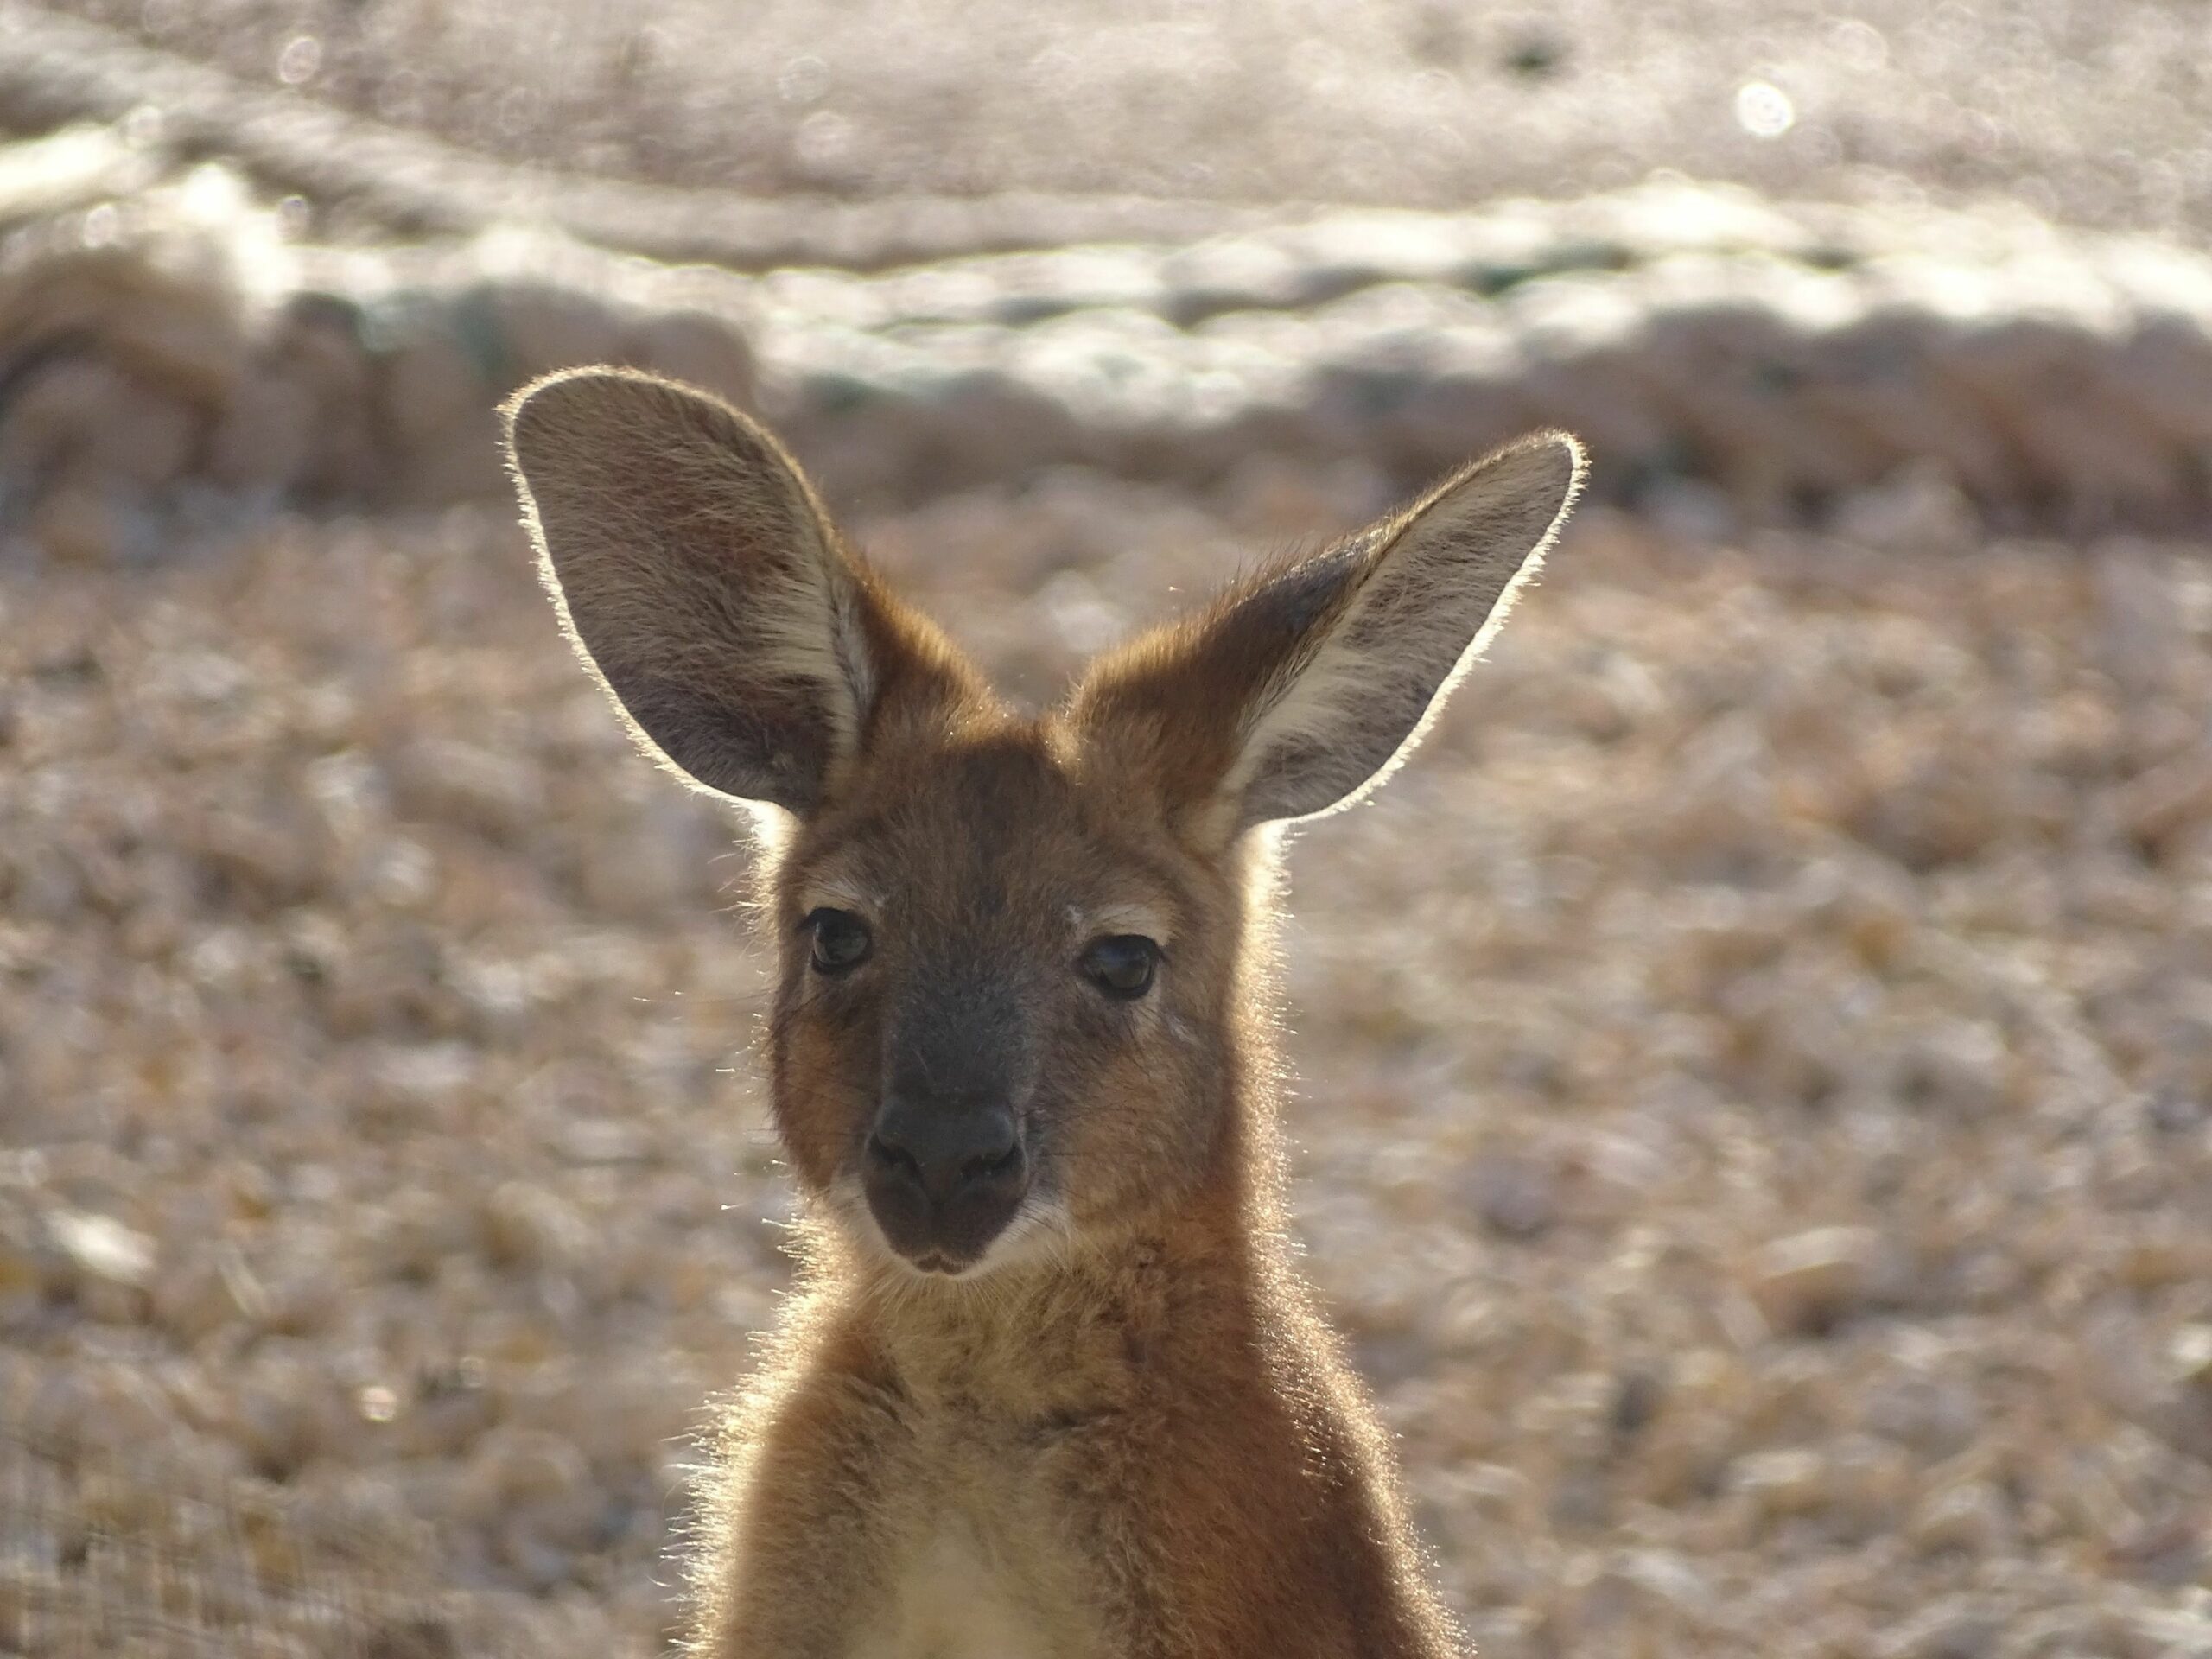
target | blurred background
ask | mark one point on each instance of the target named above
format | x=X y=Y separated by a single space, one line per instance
x=1755 y=1105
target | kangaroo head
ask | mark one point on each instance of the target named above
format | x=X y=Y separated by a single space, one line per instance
x=1012 y=973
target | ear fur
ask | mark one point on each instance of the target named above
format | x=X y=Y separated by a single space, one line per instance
x=701 y=581
x=1306 y=686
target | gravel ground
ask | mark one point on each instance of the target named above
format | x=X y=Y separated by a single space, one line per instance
x=2094 y=113
x=1756 y=1116
x=1757 y=1108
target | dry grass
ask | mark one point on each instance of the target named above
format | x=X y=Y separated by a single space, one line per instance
x=1757 y=1122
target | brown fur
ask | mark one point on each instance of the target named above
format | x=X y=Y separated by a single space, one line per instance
x=1124 y=1431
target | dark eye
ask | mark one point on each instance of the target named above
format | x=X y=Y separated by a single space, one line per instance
x=841 y=941
x=1121 y=966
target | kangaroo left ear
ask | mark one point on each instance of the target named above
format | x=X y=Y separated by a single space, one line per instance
x=704 y=586
x=1302 y=689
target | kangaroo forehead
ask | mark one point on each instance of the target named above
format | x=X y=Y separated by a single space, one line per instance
x=988 y=829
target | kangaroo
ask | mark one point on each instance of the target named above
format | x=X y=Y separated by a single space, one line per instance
x=1050 y=1387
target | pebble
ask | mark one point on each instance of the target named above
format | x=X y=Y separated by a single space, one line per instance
x=205 y=1294
x=1513 y=1198
x=108 y=1265
x=1783 y=1482
x=528 y=1227
x=1805 y=1282
x=1966 y=1515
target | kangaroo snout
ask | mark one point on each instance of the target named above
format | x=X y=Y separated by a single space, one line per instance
x=944 y=1179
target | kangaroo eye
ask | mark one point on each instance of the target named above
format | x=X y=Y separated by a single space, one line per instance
x=1121 y=966
x=842 y=941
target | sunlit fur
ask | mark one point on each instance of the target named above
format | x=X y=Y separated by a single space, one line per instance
x=1123 y=1430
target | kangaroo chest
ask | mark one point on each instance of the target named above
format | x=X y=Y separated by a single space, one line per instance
x=952 y=1597
x=984 y=1561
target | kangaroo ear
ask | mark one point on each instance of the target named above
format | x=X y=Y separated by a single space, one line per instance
x=700 y=580
x=1304 y=687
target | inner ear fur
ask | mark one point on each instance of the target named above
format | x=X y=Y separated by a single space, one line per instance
x=701 y=582
x=1304 y=686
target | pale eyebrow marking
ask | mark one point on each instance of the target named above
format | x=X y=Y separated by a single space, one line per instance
x=1150 y=920
x=832 y=890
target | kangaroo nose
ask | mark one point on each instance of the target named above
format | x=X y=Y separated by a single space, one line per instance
x=946 y=1152
x=944 y=1179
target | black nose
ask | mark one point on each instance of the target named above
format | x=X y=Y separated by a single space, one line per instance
x=946 y=1152
x=943 y=1180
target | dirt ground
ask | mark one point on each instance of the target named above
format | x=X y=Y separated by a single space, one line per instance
x=1756 y=1064
x=2091 y=113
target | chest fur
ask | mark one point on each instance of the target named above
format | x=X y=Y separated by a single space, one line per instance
x=950 y=1598
x=985 y=1560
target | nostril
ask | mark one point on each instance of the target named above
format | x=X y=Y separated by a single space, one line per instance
x=893 y=1159
x=992 y=1167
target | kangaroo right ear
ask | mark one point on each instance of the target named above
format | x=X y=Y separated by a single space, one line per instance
x=700 y=581
x=1305 y=686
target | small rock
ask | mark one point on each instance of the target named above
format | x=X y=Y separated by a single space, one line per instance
x=200 y=1296
x=1920 y=509
x=1804 y=1283
x=1515 y=1197
x=1966 y=1515
x=1781 y=1482
x=2190 y=1351
x=2162 y=810
x=526 y=1226
x=101 y=1247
